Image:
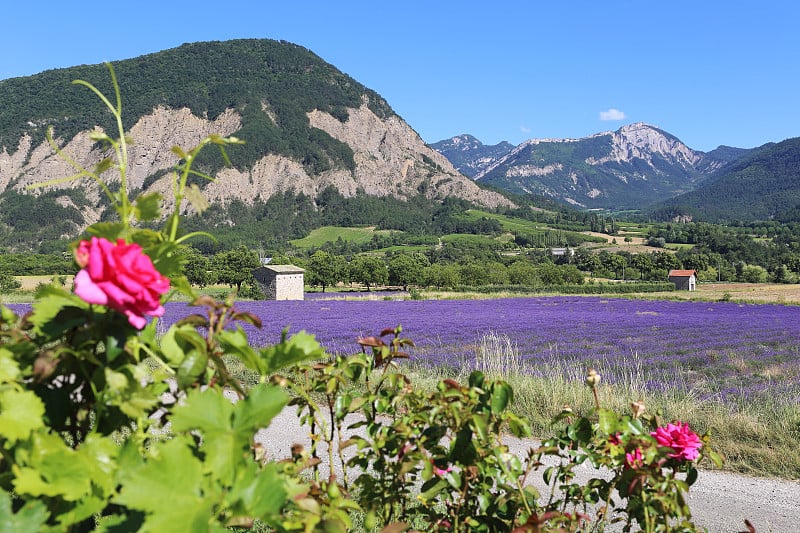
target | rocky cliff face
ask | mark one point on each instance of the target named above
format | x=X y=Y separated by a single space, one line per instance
x=632 y=167
x=390 y=159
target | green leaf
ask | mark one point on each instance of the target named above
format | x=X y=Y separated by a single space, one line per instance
x=31 y=517
x=21 y=413
x=9 y=369
x=109 y=230
x=55 y=470
x=608 y=421
x=502 y=394
x=170 y=488
x=7 y=316
x=299 y=348
x=148 y=207
x=236 y=343
x=259 y=493
x=210 y=413
x=256 y=411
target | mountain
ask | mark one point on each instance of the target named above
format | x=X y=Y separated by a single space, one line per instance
x=308 y=128
x=762 y=185
x=632 y=167
x=469 y=155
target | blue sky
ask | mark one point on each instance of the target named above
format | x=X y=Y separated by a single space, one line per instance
x=709 y=72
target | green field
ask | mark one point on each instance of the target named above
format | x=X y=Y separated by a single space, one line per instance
x=320 y=236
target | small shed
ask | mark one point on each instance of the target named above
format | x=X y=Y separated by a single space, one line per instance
x=280 y=282
x=684 y=280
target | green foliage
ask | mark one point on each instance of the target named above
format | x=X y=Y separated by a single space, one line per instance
x=368 y=270
x=235 y=267
x=8 y=283
x=325 y=270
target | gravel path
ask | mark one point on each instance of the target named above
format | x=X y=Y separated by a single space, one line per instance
x=719 y=501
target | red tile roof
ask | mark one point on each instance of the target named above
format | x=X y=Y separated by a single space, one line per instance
x=682 y=273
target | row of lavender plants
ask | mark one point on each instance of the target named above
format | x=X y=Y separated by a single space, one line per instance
x=713 y=350
x=734 y=353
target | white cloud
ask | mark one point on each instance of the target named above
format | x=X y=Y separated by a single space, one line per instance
x=612 y=114
x=524 y=129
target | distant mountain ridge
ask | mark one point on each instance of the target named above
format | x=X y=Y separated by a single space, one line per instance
x=470 y=156
x=629 y=168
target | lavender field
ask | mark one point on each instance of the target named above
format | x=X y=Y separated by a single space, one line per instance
x=712 y=350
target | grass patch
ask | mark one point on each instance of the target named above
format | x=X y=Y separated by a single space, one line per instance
x=325 y=234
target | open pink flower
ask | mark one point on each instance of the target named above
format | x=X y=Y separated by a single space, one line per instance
x=121 y=277
x=685 y=442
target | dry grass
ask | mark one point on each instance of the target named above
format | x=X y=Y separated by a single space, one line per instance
x=737 y=292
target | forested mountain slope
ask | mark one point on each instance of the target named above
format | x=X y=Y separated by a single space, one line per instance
x=307 y=127
x=764 y=185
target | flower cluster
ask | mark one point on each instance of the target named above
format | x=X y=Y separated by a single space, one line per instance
x=120 y=276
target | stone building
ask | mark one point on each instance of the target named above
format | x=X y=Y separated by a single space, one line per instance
x=280 y=282
x=684 y=280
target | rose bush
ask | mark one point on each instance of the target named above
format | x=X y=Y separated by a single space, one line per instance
x=120 y=276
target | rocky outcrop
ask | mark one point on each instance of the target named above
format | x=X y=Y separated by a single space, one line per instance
x=390 y=159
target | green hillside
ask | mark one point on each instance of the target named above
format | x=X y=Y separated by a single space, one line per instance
x=263 y=79
x=764 y=185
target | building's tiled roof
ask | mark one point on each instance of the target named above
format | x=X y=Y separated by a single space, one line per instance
x=682 y=273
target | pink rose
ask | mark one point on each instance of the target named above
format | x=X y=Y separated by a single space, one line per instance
x=121 y=277
x=634 y=459
x=685 y=442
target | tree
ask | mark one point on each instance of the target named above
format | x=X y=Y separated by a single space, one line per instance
x=325 y=269
x=643 y=263
x=197 y=267
x=368 y=270
x=473 y=274
x=8 y=283
x=442 y=276
x=523 y=273
x=407 y=268
x=235 y=267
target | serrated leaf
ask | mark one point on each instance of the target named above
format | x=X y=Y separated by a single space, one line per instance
x=210 y=413
x=256 y=411
x=236 y=343
x=31 y=517
x=109 y=230
x=55 y=470
x=169 y=487
x=21 y=413
x=259 y=492
x=299 y=348
x=148 y=206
